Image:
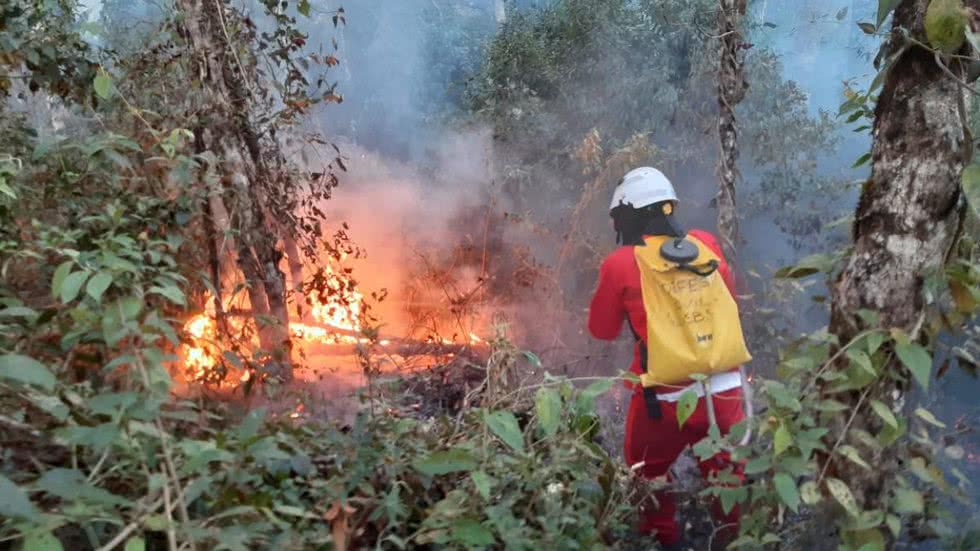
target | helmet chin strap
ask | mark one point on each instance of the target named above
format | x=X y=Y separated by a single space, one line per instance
x=632 y=224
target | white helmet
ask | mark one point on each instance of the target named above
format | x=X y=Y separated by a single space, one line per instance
x=641 y=187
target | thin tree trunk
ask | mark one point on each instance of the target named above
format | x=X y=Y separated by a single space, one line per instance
x=905 y=225
x=731 y=90
x=211 y=224
x=500 y=12
x=294 y=260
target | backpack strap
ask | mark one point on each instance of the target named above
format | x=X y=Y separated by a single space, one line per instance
x=649 y=393
x=710 y=268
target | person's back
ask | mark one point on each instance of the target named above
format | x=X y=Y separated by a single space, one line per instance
x=643 y=206
x=618 y=296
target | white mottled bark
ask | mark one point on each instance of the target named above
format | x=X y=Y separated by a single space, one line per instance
x=907 y=214
x=905 y=224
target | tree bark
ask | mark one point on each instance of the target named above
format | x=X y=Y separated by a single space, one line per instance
x=731 y=90
x=905 y=225
x=230 y=134
x=294 y=260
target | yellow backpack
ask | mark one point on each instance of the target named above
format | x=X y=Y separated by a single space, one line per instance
x=692 y=319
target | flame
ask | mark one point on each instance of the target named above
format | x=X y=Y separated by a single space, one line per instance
x=337 y=316
x=334 y=318
x=197 y=358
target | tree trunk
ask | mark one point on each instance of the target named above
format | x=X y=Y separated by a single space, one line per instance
x=231 y=135
x=731 y=90
x=500 y=12
x=906 y=223
x=294 y=260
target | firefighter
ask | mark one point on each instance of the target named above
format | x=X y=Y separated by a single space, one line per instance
x=653 y=245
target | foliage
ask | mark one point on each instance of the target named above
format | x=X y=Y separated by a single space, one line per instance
x=103 y=243
x=112 y=458
x=555 y=75
x=40 y=44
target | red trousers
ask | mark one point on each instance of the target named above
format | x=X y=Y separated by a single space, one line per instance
x=658 y=443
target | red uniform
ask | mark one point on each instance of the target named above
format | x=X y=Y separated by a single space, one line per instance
x=658 y=442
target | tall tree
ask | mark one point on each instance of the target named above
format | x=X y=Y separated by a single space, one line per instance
x=905 y=226
x=731 y=90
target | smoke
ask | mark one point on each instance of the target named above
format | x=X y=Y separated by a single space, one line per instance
x=406 y=219
x=421 y=188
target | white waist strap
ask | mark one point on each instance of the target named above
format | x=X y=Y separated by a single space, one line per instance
x=719 y=382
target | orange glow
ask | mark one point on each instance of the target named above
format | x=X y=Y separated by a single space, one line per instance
x=197 y=358
x=338 y=321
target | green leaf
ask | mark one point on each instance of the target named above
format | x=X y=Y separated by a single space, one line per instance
x=874 y=342
x=504 y=425
x=173 y=294
x=112 y=402
x=970 y=179
x=14 y=502
x=585 y=402
x=868 y=28
x=294 y=511
x=731 y=496
x=472 y=533
x=843 y=495
x=482 y=482
x=787 y=490
x=547 y=406
x=251 y=423
x=70 y=484
x=809 y=265
x=894 y=524
x=810 y=493
x=854 y=455
x=758 y=465
x=908 y=502
x=533 y=358
x=18 y=312
x=26 y=370
x=900 y=336
x=686 y=406
x=445 y=462
x=889 y=435
x=98 y=437
x=884 y=8
x=42 y=541
x=98 y=285
x=135 y=544
x=72 y=285
x=156 y=523
x=809 y=440
x=885 y=413
x=781 y=440
x=861 y=160
x=917 y=359
x=304 y=7
x=866 y=520
x=861 y=359
x=103 y=84
x=60 y=273
x=831 y=406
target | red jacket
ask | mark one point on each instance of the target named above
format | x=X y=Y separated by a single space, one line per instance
x=619 y=295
